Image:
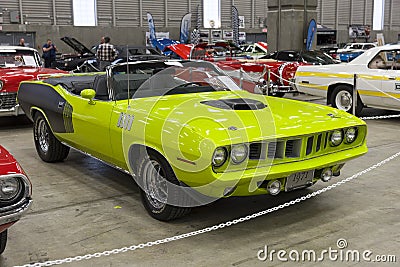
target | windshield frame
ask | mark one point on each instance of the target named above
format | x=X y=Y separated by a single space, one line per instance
x=142 y=78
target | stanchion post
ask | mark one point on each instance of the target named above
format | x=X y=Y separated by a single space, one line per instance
x=241 y=78
x=354 y=95
x=268 y=80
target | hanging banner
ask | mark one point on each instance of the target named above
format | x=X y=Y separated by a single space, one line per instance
x=152 y=28
x=195 y=38
x=312 y=29
x=185 y=28
x=235 y=25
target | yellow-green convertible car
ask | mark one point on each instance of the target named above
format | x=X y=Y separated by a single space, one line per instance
x=188 y=133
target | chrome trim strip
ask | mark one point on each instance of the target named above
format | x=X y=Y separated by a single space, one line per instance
x=105 y=162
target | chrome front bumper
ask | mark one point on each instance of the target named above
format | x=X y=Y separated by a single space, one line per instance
x=16 y=214
x=14 y=111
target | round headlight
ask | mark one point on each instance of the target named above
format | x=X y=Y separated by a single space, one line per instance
x=336 y=137
x=350 y=135
x=239 y=153
x=9 y=188
x=219 y=157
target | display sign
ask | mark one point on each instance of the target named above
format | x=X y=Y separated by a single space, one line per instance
x=241 y=22
x=359 y=31
x=228 y=35
x=212 y=13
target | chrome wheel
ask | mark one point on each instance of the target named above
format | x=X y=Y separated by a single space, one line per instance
x=43 y=136
x=155 y=184
x=344 y=100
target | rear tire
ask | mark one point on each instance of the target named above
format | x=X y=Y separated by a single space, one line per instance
x=47 y=145
x=159 y=188
x=3 y=241
x=342 y=98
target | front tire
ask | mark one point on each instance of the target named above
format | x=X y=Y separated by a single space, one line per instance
x=47 y=145
x=3 y=241
x=342 y=98
x=161 y=193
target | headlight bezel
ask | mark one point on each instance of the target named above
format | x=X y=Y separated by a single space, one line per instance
x=235 y=148
x=5 y=183
x=334 y=143
x=1 y=84
x=346 y=135
x=219 y=150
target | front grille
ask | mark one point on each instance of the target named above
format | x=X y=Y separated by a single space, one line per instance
x=255 y=151
x=293 y=148
x=310 y=142
x=276 y=150
x=8 y=100
x=319 y=140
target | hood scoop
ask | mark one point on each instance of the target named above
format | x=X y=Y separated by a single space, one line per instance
x=236 y=104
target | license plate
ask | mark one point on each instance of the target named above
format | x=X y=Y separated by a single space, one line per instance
x=298 y=180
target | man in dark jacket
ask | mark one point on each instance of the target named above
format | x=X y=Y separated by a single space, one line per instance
x=49 y=53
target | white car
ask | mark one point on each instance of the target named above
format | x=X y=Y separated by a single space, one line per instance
x=356 y=46
x=378 y=80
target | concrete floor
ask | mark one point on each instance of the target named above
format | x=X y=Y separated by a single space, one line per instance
x=75 y=212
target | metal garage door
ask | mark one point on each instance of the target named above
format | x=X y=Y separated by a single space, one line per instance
x=37 y=12
x=127 y=13
x=64 y=12
x=104 y=12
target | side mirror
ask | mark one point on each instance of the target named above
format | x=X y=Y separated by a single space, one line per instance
x=89 y=94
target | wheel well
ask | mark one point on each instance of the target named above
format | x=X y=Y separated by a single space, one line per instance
x=33 y=113
x=332 y=87
x=136 y=151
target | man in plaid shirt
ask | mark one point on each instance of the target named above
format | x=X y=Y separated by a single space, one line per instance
x=105 y=53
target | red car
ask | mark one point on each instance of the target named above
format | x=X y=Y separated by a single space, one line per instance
x=281 y=73
x=15 y=194
x=18 y=64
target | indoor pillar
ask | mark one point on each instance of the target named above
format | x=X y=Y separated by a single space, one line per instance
x=287 y=22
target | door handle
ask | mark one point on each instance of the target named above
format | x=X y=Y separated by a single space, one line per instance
x=392 y=78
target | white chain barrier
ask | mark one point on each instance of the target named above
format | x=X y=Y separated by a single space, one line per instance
x=381 y=117
x=212 y=228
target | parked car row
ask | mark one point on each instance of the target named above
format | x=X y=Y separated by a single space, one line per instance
x=85 y=60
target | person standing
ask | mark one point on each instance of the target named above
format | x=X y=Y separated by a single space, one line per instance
x=49 y=53
x=105 y=53
x=21 y=42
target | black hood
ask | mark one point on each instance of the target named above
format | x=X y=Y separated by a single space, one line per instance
x=77 y=46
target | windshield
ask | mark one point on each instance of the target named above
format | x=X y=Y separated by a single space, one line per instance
x=168 y=78
x=15 y=58
x=317 y=57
